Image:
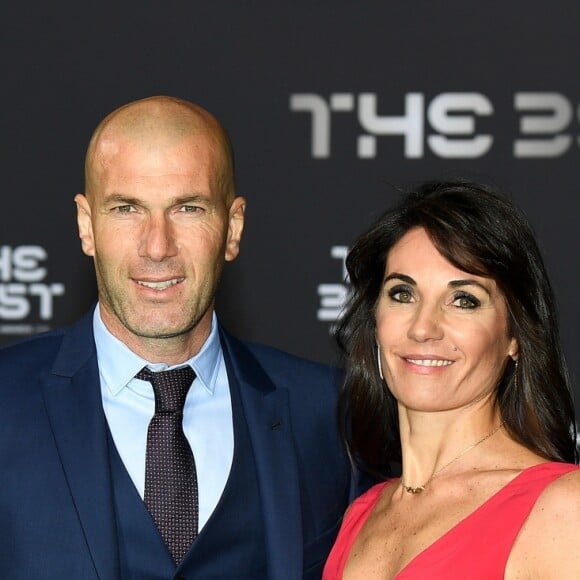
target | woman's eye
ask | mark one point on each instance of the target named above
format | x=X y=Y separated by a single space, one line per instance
x=400 y=295
x=466 y=301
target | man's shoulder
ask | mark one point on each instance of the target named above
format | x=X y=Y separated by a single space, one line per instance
x=281 y=357
x=284 y=365
x=39 y=346
x=41 y=350
x=23 y=362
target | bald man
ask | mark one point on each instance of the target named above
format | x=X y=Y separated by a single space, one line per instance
x=84 y=494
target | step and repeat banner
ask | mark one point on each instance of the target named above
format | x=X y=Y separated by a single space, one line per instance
x=331 y=105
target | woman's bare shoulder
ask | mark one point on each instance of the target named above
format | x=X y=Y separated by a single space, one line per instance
x=547 y=546
x=560 y=499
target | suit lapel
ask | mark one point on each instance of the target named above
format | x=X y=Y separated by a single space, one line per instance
x=73 y=402
x=267 y=414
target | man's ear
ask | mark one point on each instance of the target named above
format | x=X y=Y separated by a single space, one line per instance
x=85 y=225
x=235 y=228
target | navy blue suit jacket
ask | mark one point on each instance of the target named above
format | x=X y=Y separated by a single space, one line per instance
x=57 y=519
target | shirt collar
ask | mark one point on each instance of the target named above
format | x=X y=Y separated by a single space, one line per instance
x=118 y=364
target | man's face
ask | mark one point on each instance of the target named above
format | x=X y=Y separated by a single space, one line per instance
x=159 y=231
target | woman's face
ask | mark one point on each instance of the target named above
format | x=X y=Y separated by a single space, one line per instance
x=442 y=332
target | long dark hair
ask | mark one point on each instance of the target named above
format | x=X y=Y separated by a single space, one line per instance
x=480 y=232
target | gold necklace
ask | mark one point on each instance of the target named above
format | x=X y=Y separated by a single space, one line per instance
x=421 y=488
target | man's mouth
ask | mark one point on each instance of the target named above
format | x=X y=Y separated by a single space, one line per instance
x=162 y=285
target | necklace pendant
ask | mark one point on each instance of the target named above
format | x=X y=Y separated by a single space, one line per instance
x=413 y=490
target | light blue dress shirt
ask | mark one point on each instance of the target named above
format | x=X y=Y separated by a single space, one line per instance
x=129 y=405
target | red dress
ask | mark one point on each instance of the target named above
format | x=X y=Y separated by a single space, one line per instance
x=476 y=548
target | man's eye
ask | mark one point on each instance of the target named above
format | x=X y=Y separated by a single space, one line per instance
x=190 y=208
x=124 y=209
x=466 y=301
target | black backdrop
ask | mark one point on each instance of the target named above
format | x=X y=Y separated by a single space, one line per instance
x=329 y=103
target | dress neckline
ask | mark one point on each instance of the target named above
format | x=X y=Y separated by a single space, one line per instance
x=455 y=529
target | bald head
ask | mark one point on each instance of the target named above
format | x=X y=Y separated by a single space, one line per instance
x=158 y=123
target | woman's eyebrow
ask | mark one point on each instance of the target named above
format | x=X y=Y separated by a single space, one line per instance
x=469 y=282
x=402 y=277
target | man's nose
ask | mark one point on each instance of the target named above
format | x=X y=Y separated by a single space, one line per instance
x=158 y=238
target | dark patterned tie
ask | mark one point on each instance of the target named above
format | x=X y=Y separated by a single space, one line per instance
x=170 y=477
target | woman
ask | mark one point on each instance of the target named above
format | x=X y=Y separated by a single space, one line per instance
x=454 y=369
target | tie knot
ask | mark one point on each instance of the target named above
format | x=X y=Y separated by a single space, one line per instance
x=170 y=387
